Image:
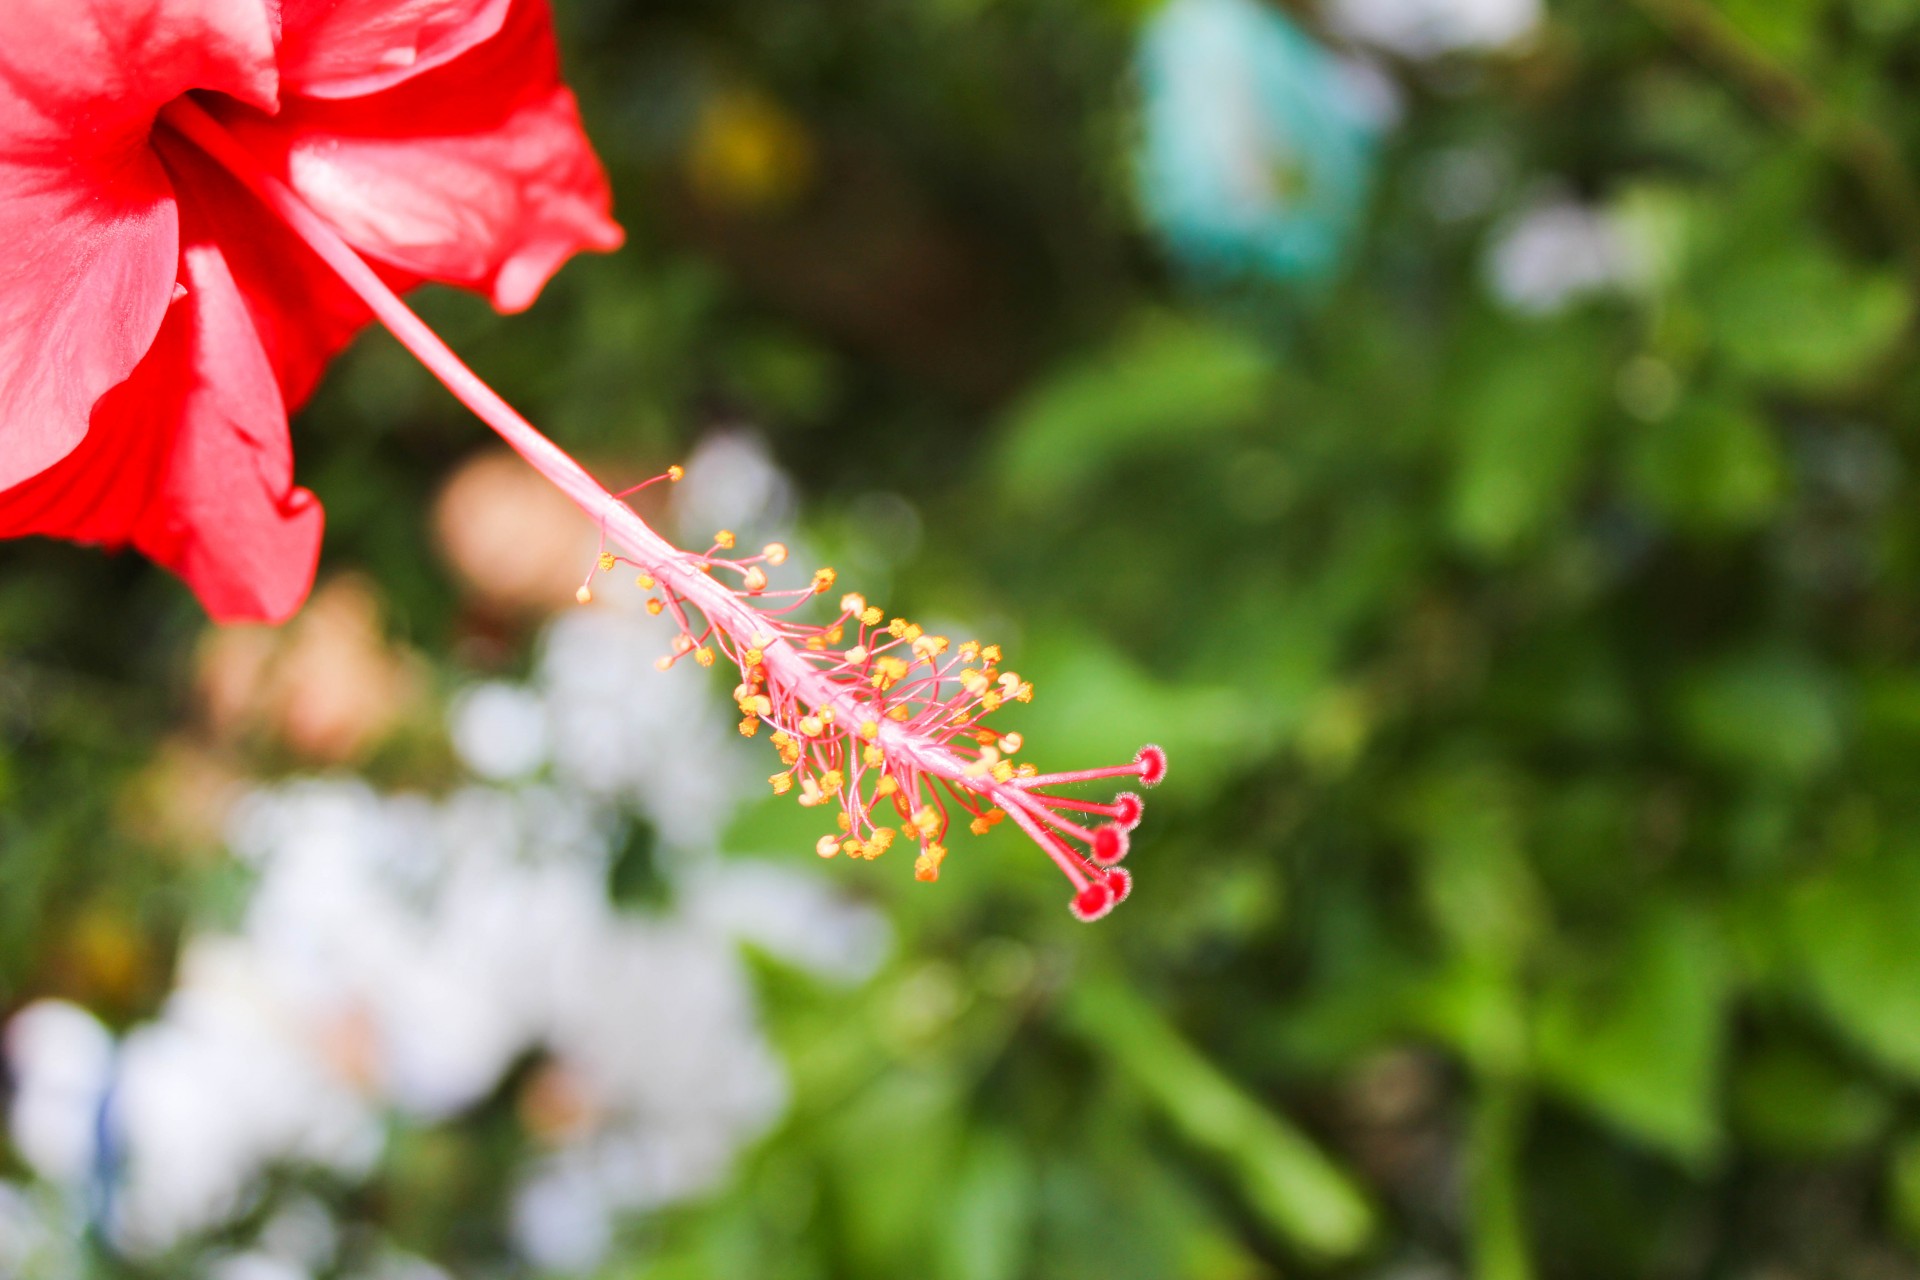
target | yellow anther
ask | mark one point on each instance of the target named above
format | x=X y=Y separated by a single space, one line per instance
x=810 y=793
x=926 y=867
x=870 y=729
x=886 y=786
x=1025 y=692
x=972 y=681
x=986 y=737
x=1011 y=743
x=790 y=753
x=872 y=757
x=644 y=582
x=871 y=615
x=831 y=781
x=749 y=727
x=846 y=823
x=1003 y=771
x=775 y=552
x=703 y=656
x=897 y=627
x=760 y=705
x=724 y=539
x=1027 y=771
x=930 y=647
x=898 y=713
x=752 y=657
x=663 y=664
x=606 y=560
x=991 y=653
x=853 y=848
x=990 y=701
x=969 y=650
x=853 y=602
x=857 y=654
x=823 y=581
x=816 y=643
x=927 y=818
x=881 y=842
x=827 y=846
x=584 y=595
x=979 y=826
x=654 y=606
x=683 y=643
x=782 y=783
x=836 y=635
x=780 y=738
x=755 y=580
x=811 y=726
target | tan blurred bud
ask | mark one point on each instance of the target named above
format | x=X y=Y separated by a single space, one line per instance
x=328 y=685
x=517 y=545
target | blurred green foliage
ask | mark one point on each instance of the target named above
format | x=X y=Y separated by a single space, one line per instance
x=1536 y=888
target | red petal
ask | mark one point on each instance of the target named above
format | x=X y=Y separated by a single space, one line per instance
x=79 y=86
x=474 y=173
x=189 y=458
x=346 y=48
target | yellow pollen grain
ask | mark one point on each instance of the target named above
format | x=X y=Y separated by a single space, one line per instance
x=782 y=783
x=831 y=781
x=1027 y=771
x=823 y=581
x=885 y=787
x=654 y=607
x=1003 y=771
x=724 y=539
x=846 y=823
x=979 y=826
x=675 y=473
x=898 y=713
x=853 y=848
x=991 y=653
x=606 y=560
x=870 y=730
x=873 y=757
x=749 y=727
x=871 y=615
x=703 y=656
x=644 y=582
x=752 y=657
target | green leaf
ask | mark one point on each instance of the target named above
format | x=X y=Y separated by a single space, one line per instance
x=1853 y=934
x=1284 y=1177
x=1711 y=466
x=1521 y=429
x=1641 y=1043
x=1773 y=713
x=1801 y=317
x=1162 y=384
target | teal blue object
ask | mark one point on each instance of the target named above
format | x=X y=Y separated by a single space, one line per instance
x=1259 y=146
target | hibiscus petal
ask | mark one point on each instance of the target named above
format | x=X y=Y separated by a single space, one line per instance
x=474 y=173
x=189 y=458
x=345 y=48
x=79 y=86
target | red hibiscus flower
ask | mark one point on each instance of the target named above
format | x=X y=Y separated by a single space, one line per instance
x=157 y=323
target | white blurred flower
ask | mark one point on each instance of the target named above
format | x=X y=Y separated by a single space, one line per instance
x=400 y=953
x=1556 y=252
x=1430 y=28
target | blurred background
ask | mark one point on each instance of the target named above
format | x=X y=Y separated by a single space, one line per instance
x=1475 y=437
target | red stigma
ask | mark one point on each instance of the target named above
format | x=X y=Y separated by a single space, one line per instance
x=1153 y=765
x=1127 y=808
x=1109 y=844
x=1093 y=901
x=1119 y=884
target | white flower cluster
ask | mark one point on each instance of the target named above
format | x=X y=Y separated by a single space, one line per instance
x=399 y=955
